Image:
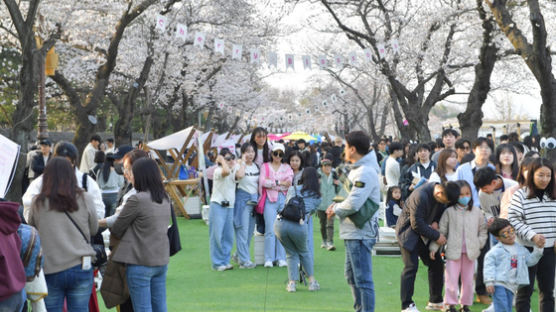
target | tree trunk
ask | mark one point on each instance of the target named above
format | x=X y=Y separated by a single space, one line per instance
x=471 y=119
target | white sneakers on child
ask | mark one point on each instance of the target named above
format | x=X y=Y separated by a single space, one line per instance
x=282 y=263
x=268 y=264
x=411 y=308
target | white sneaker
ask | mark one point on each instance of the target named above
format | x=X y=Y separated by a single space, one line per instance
x=489 y=309
x=411 y=308
x=282 y=263
x=268 y=264
x=247 y=265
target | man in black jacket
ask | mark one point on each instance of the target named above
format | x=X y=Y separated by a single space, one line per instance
x=423 y=168
x=417 y=226
x=40 y=159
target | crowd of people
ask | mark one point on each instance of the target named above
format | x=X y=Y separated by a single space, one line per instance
x=481 y=217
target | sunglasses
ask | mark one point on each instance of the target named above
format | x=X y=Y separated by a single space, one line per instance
x=230 y=157
x=278 y=154
x=506 y=234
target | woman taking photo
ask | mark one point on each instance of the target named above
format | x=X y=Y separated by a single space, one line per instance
x=61 y=212
x=274 y=181
x=294 y=235
x=295 y=159
x=246 y=197
x=221 y=213
x=532 y=214
x=142 y=228
x=446 y=168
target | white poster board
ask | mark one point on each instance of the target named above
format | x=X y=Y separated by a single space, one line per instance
x=9 y=155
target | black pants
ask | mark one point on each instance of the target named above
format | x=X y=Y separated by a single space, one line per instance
x=411 y=264
x=480 y=288
x=545 y=281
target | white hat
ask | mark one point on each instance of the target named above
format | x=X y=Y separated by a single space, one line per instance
x=278 y=146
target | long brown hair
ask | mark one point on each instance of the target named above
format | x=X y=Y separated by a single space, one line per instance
x=535 y=165
x=441 y=166
x=59 y=185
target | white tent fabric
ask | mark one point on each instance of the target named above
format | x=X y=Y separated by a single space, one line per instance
x=175 y=140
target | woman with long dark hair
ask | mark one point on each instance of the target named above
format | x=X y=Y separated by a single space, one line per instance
x=294 y=235
x=297 y=163
x=110 y=184
x=142 y=227
x=506 y=161
x=260 y=144
x=61 y=212
x=532 y=214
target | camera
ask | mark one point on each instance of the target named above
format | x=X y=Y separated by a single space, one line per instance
x=225 y=203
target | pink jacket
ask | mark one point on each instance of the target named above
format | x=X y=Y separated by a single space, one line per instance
x=284 y=173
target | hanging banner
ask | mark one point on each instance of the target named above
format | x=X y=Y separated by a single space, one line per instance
x=368 y=54
x=219 y=46
x=161 y=22
x=339 y=61
x=199 y=40
x=272 y=59
x=255 y=56
x=395 y=45
x=381 y=50
x=289 y=61
x=352 y=58
x=306 y=61
x=181 y=31
x=236 y=52
x=322 y=61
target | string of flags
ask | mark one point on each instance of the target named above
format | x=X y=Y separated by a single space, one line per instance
x=200 y=38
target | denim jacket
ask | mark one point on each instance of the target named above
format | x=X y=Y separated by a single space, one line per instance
x=364 y=177
x=497 y=265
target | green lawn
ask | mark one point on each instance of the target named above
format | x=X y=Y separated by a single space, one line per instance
x=193 y=286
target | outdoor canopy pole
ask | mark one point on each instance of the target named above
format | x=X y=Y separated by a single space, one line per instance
x=202 y=166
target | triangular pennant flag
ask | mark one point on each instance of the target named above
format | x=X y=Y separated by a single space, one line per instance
x=219 y=46
x=352 y=58
x=255 y=56
x=339 y=60
x=199 y=40
x=161 y=22
x=237 y=51
x=395 y=45
x=324 y=104
x=322 y=61
x=181 y=31
x=306 y=61
x=381 y=50
x=272 y=59
x=342 y=91
x=308 y=111
x=368 y=54
x=333 y=98
x=289 y=61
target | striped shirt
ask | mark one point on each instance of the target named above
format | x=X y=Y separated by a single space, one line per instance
x=531 y=216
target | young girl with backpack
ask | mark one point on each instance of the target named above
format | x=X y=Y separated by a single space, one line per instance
x=394 y=205
x=465 y=228
x=293 y=234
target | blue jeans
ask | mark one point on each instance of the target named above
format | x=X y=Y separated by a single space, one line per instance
x=244 y=223
x=221 y=234
x=502 y=299
x=359 y=273
x=14 y=303
x=293 y=237
x=147 y=287
x=109 y=200
x=74 y=285
x=273 y=250
x=310 y=245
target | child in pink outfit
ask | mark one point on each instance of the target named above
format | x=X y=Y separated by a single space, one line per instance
x=466 y=232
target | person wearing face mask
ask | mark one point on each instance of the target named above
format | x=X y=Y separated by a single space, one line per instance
x=465 y=229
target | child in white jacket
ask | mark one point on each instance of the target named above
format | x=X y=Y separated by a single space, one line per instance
x=465 y=229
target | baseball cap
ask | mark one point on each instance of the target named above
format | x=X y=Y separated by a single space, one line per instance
x=45 y=142
x=278 y=146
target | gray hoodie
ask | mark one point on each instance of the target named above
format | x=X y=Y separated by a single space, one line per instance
x=364 y=178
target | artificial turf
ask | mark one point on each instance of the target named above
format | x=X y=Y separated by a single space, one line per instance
x=193 y=286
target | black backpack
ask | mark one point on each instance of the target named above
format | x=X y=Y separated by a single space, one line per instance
x=294 y=209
